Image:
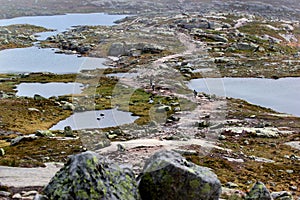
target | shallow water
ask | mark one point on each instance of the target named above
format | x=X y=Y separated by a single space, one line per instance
x=93 y=119
x=63 y=22
x=48 y=89
x=282 y=95
x=33 y=59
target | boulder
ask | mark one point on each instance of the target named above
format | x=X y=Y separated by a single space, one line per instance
x=68 y=106
x=89 y=176
x=167 y=175
x=68 y=132
x=117 y=49
x=38 y=97
x=283 y=195
x=259 y=192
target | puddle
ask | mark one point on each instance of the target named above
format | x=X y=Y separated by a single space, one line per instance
x=48 y=89
x=96 y=119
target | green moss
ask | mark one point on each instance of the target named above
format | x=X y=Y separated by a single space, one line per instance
x=194 y=184
x=205 y=188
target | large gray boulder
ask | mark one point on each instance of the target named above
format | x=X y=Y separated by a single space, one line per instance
x=117 y=49
x=88 y=176
x=259 y=192
x=169 y=176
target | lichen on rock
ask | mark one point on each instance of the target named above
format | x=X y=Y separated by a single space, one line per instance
x=90 y=176
x=167 y=175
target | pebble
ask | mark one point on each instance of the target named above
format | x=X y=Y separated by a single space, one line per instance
x=231 y=185
x=222 y=137
x=2 y=152
x=30 y=193
x=294 y=188
x=289 y=171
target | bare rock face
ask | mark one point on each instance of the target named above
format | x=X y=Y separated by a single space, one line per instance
x=167 y=175
x=89 y=176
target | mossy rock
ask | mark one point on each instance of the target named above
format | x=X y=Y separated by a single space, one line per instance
x=169 y=176
x=88 y=176
x=259 y=192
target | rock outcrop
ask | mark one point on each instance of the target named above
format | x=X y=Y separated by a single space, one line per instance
x=167 y=175
x=89 y=176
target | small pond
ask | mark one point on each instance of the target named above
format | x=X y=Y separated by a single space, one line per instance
x=96 y=119
x=282 y=95
x=48 y=89
x=33 y=59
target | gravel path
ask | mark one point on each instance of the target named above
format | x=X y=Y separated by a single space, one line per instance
x=23 y=177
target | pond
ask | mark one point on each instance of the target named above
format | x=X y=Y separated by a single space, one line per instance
x=34 y=59
x=48 y=89
x=61 y=23
x=96 y=119
x=281 y=95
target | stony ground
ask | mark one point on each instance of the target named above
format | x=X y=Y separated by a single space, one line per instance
x=241 y=142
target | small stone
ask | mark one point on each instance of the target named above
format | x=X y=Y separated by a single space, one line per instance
x=17 y=196
x=2 y=152
x=231 y=185
x=44 y=133
x=30 y=193
x=121 y=147
x=34 y=110
x=112 y=136
x=246 y=142
x=222 y=137
x=294 y=188
x=4 y=194
x=289 y=171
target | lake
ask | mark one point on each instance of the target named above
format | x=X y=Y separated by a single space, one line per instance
x=282 y=95
x=48 y=89
x=94 y=119
x=62 y=23
x=34 y=59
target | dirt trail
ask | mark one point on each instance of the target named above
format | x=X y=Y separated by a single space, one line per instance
x=136 y=151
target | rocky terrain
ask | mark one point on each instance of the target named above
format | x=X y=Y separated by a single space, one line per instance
x=242 y=143
x=17 y=36
x=265 y=8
